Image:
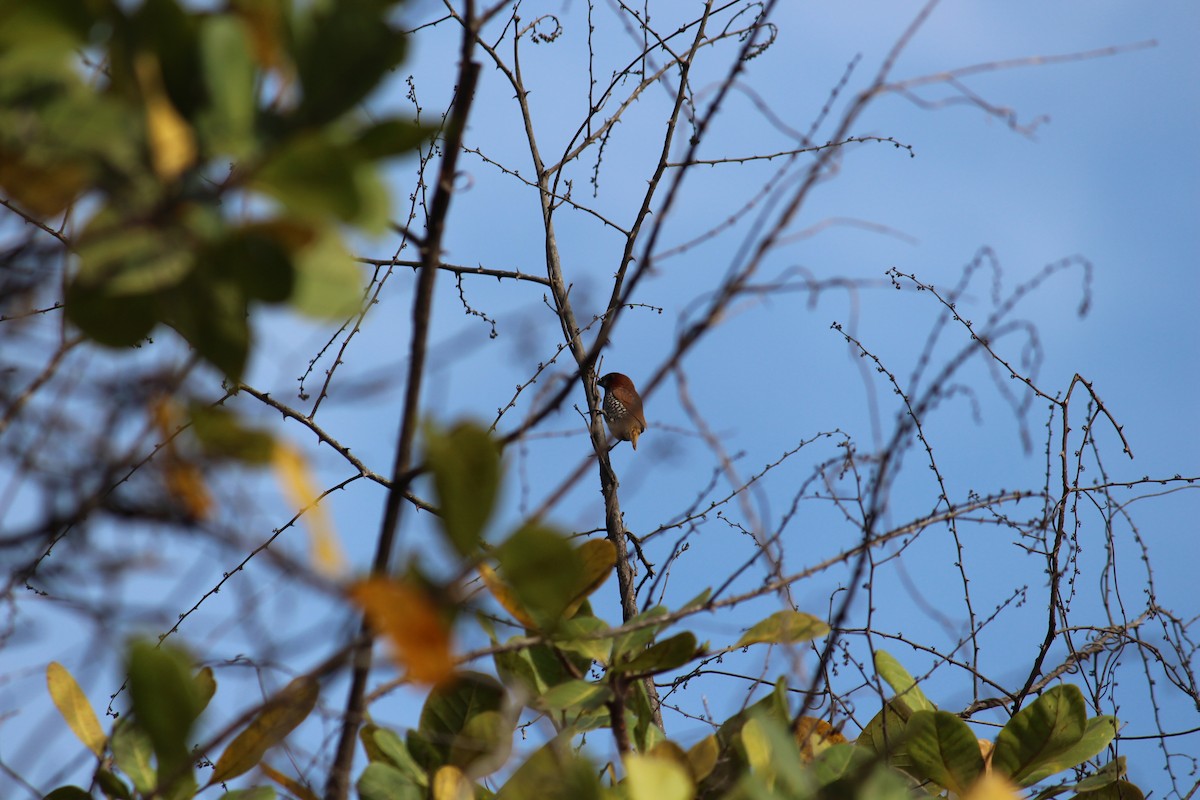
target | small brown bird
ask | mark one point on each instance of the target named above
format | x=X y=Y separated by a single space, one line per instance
x=622 y=408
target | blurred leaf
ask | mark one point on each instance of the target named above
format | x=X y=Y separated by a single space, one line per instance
x=291 y=468
x=313 y=177
x=413 y=623
x=172 y=143
x=132 y=752
x=576 y=635
x=392 y=137
x=554 y=772
x=73 y=704
x=943 y=749
x=68 y=793
x=1030 y=745
x=466 y=476
x=784 y=627
x=295 y=787
x=651 y=778
x=449 y=783
x=702 y=756
x=572 y=693
x=366 y=46
x=631 y=643
x=446 y=719
x=597 y=557
x=902 y=682
x=814 y=736
x=221 y=433
x=206 y=686
x=112 y=786
x=253 y=793
x=991 y=786
x=504 y=595
x=543 y=571
x=256 y=258
x=392 y=747
x=63 y=23
x=663 y=656
x=43 y=190
x=166 y=703
x=1118 y=790
x=229 y=78
x=328 y=283
x=270 y=727
x=381 y=781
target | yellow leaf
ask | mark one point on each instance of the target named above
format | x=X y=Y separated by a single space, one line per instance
x=814 y=736
x=651 y=778
x=75 y=708
x=598 y=557
x=412 y=621
x=702 y=756
x=449 y=783
x=279 y=718
x=298 y=486
x=992 y=786
x=172 y=145
x=291 y=784
x=504 y=596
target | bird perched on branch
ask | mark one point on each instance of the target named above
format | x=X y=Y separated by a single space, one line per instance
x=622 y=408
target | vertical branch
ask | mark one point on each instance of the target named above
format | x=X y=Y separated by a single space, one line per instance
x=338 y=784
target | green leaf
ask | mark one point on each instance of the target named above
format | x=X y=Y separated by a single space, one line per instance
x=651 y=778
x=313 y=177
x=270 y=727
x=392 y=747
x=366 y=47
x=577 y=635
x=553 y=772
x=392 y=137
x=902 y=682
x=1109 y=773
x=1097 y=735
x=73 y=704
x=253 y=793
x=1118 y=790
x=663 y=656
x=1031 y=744
x=132 y=751
x=785 y=627
x=446 y=722
x=466 y=476
x=112 y=786
x=222 y=433
x=628 y=645
x=211 y=314
x=225 y=52
x=206 y=686
x=256 y=258
x=381 y=781
x=328 y=281
x=570 y=694
x=944 y=750
x=68 y=793
x=166 y=703
x=887 y=734
x=543 y=571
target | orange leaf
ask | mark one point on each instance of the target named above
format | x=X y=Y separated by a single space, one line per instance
x=296 y=479
x=407 y=616
x=814 y=736
x=504 y=595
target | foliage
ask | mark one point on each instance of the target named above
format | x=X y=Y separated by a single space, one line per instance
x=225 y=162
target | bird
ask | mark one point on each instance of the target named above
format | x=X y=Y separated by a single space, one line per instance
x=622 y=408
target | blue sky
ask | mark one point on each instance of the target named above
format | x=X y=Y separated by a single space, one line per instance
x=1111 y=177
